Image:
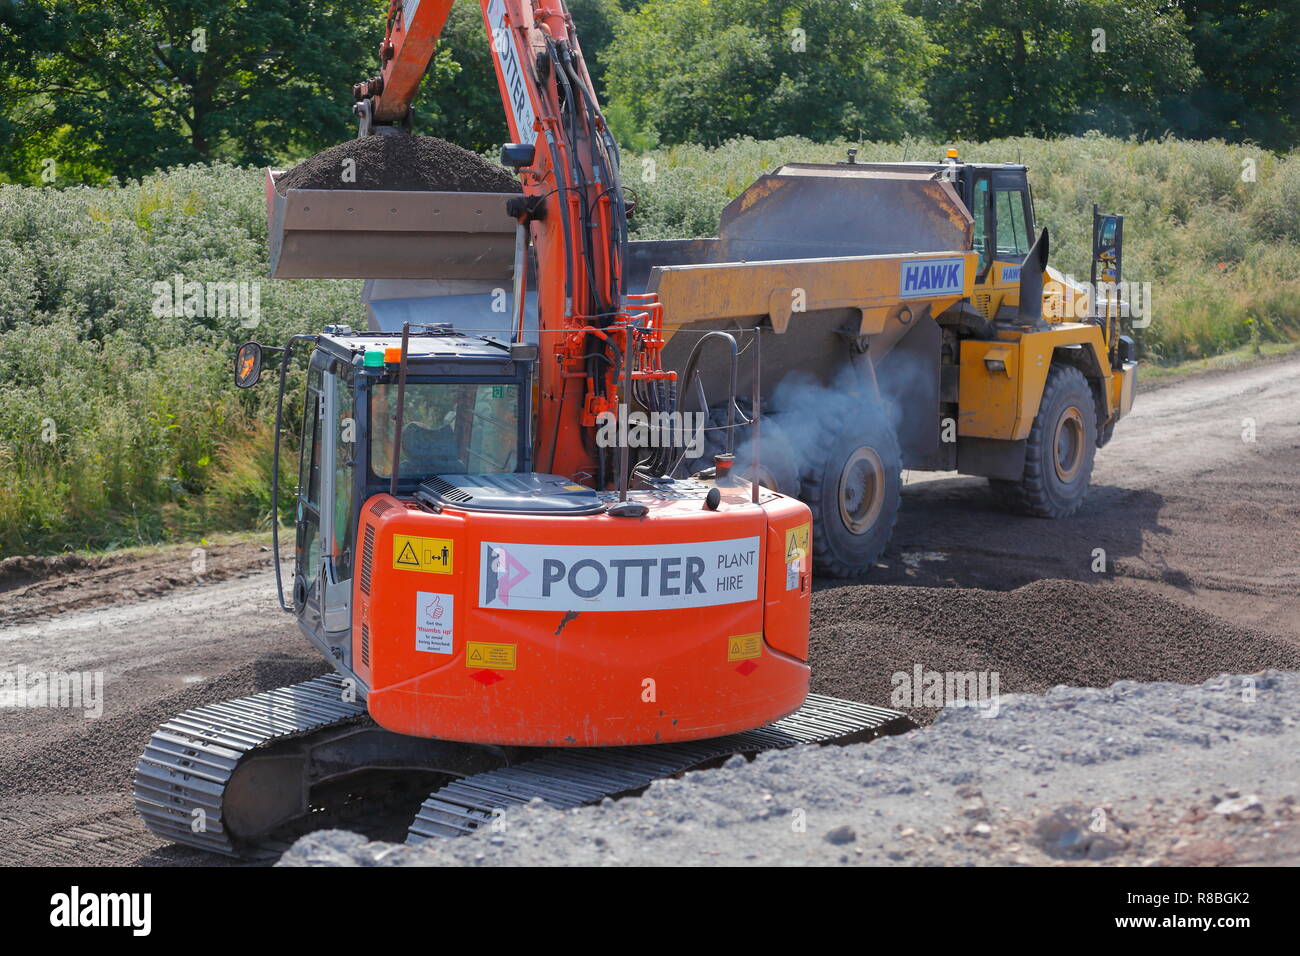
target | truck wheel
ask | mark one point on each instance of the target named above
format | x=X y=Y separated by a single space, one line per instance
x=1059 y=452
x=853 y=489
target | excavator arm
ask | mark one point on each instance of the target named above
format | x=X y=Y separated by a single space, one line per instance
x=573 y=209
x=410 y=38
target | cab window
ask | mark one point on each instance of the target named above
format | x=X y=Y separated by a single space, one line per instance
x=309 y=482
x=345 y=456
x=447 y=429
x=1013 y=230
x=981 y=215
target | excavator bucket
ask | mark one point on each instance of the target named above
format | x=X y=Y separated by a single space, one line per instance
x=387 y=234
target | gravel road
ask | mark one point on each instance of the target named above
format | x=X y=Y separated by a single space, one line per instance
x=1134 y=774
x=1198 y=575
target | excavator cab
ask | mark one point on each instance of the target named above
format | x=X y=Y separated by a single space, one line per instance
x=464 y=404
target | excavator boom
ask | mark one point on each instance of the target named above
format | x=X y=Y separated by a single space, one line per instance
x=572 y=209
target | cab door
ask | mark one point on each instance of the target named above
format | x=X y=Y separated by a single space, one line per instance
x=309 y=497
x=1004 y=233
x=322 y=592
x=338 y=527
x=1012 y=233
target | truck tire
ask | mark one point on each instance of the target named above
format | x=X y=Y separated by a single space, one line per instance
x=1060 y=451
x=853 y=485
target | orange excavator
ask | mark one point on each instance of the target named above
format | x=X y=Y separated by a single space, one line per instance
x=515 y=604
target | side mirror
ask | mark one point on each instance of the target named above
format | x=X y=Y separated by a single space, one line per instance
x=1108 y=236
x=248 y=365
x=1107 y=246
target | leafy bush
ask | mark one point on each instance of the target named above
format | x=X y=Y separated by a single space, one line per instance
x=121 y=426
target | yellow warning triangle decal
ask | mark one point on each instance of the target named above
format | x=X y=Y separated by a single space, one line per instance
x=407 y=556
x=476 y=656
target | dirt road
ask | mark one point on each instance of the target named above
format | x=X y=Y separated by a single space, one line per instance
x=1194 y=507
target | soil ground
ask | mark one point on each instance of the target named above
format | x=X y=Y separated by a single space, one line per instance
x=1181 y=565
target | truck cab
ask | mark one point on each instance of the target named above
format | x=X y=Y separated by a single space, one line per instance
x=1001 y=204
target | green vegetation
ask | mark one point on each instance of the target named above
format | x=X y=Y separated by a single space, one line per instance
x=1036 y=67
x=121 y=87
x=119 y=424
x=708 y=72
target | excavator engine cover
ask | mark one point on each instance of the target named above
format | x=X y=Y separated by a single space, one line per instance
x=550 y=629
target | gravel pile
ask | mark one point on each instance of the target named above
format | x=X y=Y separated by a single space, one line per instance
x=400 y=162
x=1035 y=637
x=1134 y=773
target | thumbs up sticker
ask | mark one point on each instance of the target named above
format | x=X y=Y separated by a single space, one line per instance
x=434 y=622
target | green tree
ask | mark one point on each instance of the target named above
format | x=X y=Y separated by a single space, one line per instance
x=458 y=99
x=709 y=70
x=119 y=87
x=595 y=21
x=1039 y=67
x=1249 y=54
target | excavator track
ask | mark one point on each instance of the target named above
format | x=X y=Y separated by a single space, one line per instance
x=577 y=777
x=182 y=777
x=229 y=777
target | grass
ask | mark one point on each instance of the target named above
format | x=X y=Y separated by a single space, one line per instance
x=119 y=425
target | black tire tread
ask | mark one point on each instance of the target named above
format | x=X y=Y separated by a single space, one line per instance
x=829 y=429
x=1029 y=495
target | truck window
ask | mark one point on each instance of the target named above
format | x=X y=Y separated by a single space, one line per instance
x=980 y=213
x=1013 y=231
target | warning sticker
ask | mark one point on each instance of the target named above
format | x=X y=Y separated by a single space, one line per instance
x=499 y=657
x=796 y=553
x=796 y=542
x=744 y=646
x=433 y=555
x=434 y=622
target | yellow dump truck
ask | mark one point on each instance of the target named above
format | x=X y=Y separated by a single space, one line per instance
x=909 y=320
x=915 y=325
